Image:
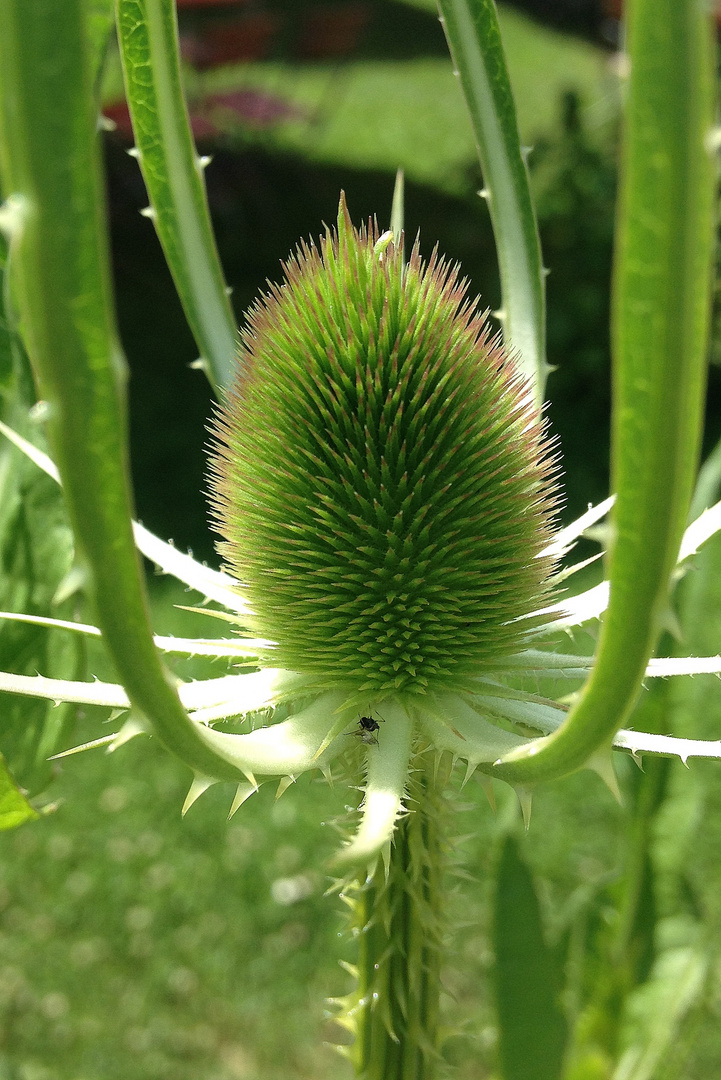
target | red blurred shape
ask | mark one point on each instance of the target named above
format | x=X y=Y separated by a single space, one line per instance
x=328 y=32
x=250 y=37
x=254 y=108
x=229 y=32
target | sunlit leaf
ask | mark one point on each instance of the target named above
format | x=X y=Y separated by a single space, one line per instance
x=14 y=807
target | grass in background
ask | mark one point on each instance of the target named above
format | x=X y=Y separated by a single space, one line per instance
x=138 y=945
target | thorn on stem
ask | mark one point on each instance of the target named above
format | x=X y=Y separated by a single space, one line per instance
x=525 y=798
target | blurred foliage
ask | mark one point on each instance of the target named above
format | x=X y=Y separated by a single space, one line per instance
x=36 y=554
x=153 y=946
x=378 y=114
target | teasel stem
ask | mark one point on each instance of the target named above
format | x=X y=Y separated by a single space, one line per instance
x=397 y=919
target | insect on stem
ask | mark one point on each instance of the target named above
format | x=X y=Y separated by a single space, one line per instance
x=367 y=728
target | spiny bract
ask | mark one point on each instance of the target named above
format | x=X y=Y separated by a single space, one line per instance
x=382 y=483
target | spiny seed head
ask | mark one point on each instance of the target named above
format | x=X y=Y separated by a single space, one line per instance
x=381 y=481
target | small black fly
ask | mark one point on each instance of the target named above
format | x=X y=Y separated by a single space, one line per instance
x=367 y=728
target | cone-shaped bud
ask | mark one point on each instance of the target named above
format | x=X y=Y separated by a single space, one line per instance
x=381 y=480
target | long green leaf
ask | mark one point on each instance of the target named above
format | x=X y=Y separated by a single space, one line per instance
x=532 y=1030
x=661 y=307
x=50 y=169
x=173 y=175
x=474 y=39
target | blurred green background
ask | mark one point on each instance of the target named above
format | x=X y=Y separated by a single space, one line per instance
x=141 y=946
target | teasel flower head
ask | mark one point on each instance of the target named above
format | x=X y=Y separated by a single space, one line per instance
x=381 y=481
x=384 y=488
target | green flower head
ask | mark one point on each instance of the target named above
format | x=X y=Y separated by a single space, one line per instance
x=381 y=480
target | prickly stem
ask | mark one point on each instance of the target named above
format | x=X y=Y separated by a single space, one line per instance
x=397 y=922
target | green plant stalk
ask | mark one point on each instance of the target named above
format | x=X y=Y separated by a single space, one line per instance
x=397 y=920
x=635 y=932
x=661 y=315
x=474 y=39
x=173 y=174
x=49 y=165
